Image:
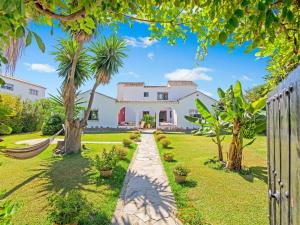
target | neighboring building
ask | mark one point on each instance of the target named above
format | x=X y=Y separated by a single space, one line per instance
x=24 y=89
x=168 y=104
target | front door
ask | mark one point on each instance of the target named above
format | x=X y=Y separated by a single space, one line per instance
x=163 y=116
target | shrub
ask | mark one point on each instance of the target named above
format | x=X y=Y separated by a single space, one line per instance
x=165 y=142
x=69 y=208
x=181 y=170
x=30 y=116
x=127 y=142
x=158 y=132
x=7 y=210
x=137 y=132
x=52 y=125
x=121 y=151
x=168 y=156
x=108 y=161
x=160 y=137
x=133 y=136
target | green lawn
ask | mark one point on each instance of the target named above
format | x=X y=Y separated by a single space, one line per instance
x=216 y=196
x=32 y=181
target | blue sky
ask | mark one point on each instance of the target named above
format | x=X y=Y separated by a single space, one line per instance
x=151 y=62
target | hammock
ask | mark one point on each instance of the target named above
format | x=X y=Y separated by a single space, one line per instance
x=31 y=151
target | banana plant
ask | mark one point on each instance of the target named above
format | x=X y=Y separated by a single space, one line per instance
x=211 y=125
x=246 y=119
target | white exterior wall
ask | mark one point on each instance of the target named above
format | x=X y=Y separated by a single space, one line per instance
x=21 y=89
x=107 y=110
x=136 y=93
x=188 y=103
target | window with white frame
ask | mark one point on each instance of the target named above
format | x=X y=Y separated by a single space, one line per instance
x=162 y=95
x=146 y=94
x=93 y=115
x=33 y=92
x=194 y=113
x=7 y=86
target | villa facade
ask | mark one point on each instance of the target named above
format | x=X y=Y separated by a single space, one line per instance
x=21 y=88
x=167 y=104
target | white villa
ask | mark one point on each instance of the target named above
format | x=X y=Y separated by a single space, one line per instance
x=168 y=104
x=22 y=88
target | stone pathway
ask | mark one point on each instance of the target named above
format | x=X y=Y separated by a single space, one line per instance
x=38 y=140
x=146 y=197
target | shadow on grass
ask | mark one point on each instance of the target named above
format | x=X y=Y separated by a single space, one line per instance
x=67 y=173
x=258 y=172
x=22 y=184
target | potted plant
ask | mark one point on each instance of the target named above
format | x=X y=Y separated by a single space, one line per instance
x=68 y=209
x=122 y=152
x=107 y=162
x=148 y=120
x=181 y=172
x=168 y=156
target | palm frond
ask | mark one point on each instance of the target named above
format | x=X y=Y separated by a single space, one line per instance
x=64 y=54
x=107 y=58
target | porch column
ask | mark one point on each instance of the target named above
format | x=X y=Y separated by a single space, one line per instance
x=174 y=117
x=157 y=118
x=137 y=118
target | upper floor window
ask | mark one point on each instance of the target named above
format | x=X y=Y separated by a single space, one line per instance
x=8 y=86
x=146 y=94
x=33 y=92
x=93 y=115
x=162 y=96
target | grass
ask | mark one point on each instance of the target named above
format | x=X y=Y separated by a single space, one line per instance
x=215 y=196
x=32 y=181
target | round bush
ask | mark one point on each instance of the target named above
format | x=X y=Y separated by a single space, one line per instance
x=134 y=136
x=165 y=142
x=52 y=125
x=127 y=142
x=160 y=137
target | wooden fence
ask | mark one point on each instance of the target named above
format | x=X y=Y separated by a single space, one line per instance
x=283 y=110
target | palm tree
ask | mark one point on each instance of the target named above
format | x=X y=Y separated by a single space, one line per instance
x=76 y=67
x=106 y=60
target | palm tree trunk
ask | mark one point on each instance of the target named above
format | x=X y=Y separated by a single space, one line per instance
x=83 y=122
x=72 y=127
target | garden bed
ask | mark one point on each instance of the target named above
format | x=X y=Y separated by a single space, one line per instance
x=217 y=196
x=31 y=182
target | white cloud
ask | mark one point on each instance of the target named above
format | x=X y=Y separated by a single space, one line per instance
x=198 y=73
x=140 y=42
x=246 y=78
x=150 y=55
x=206 y=93
x=44 y=68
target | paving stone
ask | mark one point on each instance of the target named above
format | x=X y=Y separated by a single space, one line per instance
x=146 y=197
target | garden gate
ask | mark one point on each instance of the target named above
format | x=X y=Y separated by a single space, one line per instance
x=283 y=111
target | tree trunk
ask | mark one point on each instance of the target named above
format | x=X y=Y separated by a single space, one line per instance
x=73 y=132
x=72 y=127
x=235 y=149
